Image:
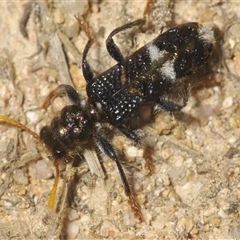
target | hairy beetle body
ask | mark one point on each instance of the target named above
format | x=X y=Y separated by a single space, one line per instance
x=156 y=75
x=149 y=74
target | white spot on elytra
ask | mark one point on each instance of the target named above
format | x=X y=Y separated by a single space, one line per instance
x=168 y=71
x=154 y=52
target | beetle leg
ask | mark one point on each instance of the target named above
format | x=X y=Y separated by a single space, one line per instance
x=86 y=69
x=63 y=90
x=108 y=149
x=147 y=150
x=168 y=104
x=112 y=48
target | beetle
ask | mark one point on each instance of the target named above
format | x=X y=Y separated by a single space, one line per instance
x=157 y=76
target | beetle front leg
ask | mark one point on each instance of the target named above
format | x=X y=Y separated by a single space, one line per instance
x=63 y=90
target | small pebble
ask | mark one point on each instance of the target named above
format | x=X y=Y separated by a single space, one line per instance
x=73 y=215
x=19 y=177
x=132 y=151
x=227 y=102
x=129 y=219
x=43 y=170
x=72 y=230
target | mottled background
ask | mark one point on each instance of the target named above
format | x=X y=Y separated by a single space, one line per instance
x=194 y=192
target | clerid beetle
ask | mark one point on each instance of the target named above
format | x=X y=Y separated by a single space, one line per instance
x=156 y=76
